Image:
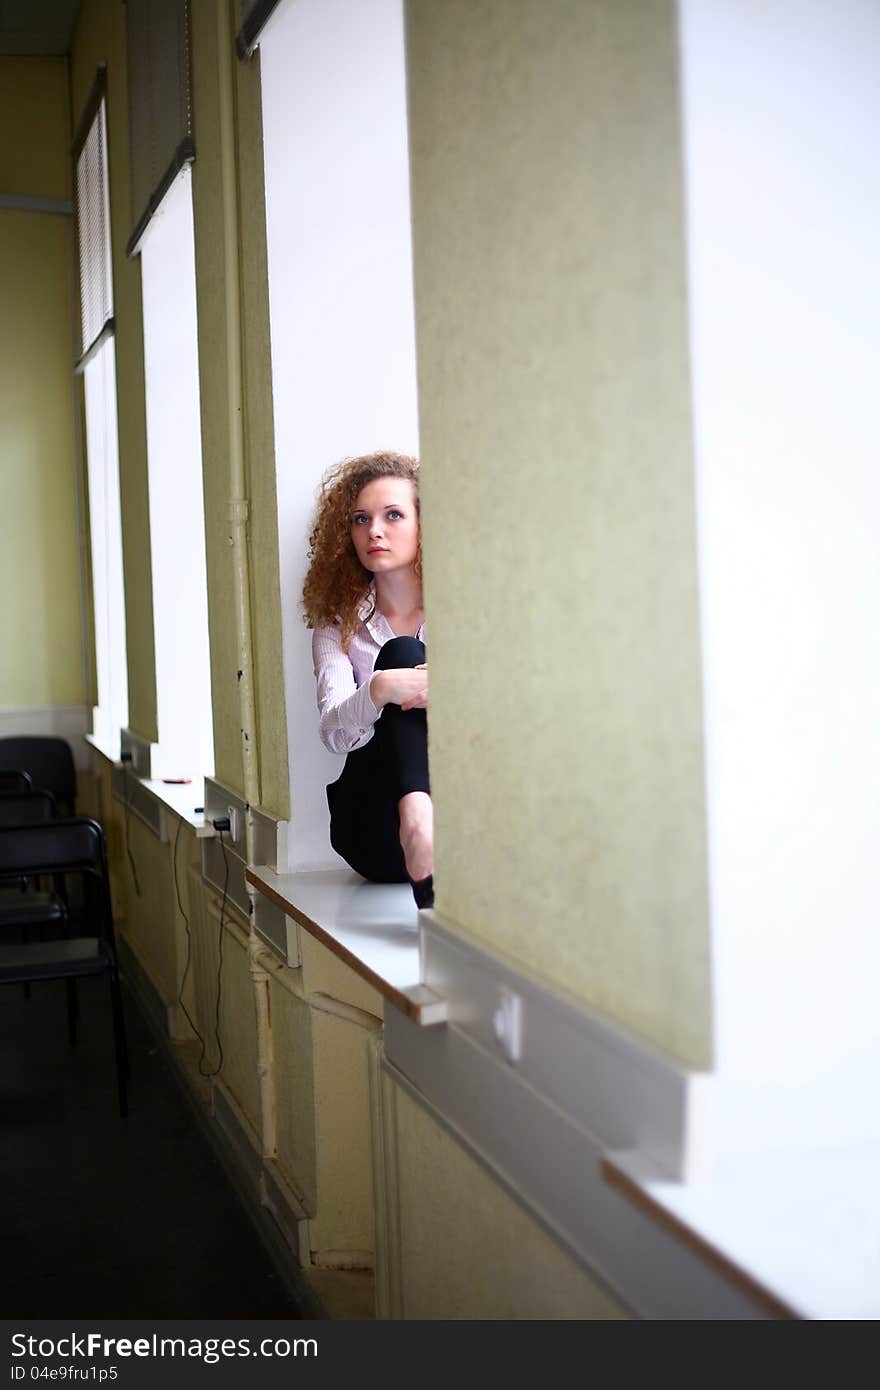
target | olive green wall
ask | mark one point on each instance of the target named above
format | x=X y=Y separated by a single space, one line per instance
x=41 y=616
x=560 y=559
x=35 y=121
x=100 y=38
x=211 y=24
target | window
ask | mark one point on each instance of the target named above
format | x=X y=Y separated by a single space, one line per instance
x=97 y=364
x=340 y=302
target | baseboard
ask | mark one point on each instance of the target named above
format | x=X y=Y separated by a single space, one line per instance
x=150 y=1001
x=288 y=1211
x=239 y=1135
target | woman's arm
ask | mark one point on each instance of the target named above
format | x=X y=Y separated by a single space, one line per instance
x=348 y=713
x=406 y=686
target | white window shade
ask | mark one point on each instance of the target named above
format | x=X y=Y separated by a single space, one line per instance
x=159 y=104
x=177 y=517
x=93 y=228
x=102 y=454
x=97 y=365
x=254 y=14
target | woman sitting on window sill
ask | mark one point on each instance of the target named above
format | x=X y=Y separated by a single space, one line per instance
x=363 y=599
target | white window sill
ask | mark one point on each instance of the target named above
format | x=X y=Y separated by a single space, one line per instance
x=802 y=1233
x=182 y=799
x=373 y=927
x=109 y=751
x=179 y=798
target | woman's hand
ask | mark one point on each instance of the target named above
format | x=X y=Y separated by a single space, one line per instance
x=419 y=699
x=406 y=686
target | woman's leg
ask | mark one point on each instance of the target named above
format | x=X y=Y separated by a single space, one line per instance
x=403 y=736
x=381 y=819
x=364 y=820
x=416 y=811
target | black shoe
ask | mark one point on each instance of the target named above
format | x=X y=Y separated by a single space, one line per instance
x=423 y=891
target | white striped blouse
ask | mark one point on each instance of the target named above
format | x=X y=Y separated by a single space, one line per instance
x=347 y=711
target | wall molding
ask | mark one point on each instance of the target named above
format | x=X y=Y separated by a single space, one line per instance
x=544 y=1124
x=25 y=202
x=630 y=1094
x=70 y=722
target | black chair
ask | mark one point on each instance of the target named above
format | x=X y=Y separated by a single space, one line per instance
x=12 y=783
x=48 y=762
x=67 y=848
x=27 y=808
x=21 y=906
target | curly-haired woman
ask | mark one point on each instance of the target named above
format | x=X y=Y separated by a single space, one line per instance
x=363 y=598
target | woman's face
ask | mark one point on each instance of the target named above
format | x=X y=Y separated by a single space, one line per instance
x=385 y=525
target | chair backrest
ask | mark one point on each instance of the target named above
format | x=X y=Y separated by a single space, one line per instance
x=11 y=782
x=29 y=808
x=48 y=761
x=72 y=846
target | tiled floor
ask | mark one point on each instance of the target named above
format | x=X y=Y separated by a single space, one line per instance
x=109 y=1217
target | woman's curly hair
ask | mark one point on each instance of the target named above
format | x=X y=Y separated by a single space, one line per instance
x=337 y=583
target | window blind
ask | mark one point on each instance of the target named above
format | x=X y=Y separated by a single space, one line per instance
x=93 y=224
x=159 y=102
x=254 y=14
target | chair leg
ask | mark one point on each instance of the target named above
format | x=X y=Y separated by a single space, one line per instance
x=122 y=1070
x=122 y=1033
x=72 y=1011
x=26 y=986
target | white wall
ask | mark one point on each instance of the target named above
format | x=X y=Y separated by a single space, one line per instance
x=340 y=292
x=781 y=110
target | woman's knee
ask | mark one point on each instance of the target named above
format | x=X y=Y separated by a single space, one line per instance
x=398 y=652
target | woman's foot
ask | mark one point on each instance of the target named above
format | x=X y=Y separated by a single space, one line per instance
x=417 y=834
x=423 y=891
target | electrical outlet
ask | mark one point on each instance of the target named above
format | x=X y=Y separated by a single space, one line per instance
x=234 y=823
x=507 y=1025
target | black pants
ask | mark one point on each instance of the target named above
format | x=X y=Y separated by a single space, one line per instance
x=364 y=820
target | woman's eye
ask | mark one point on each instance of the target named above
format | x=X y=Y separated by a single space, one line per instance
x=395 y=515
x=359 y=520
